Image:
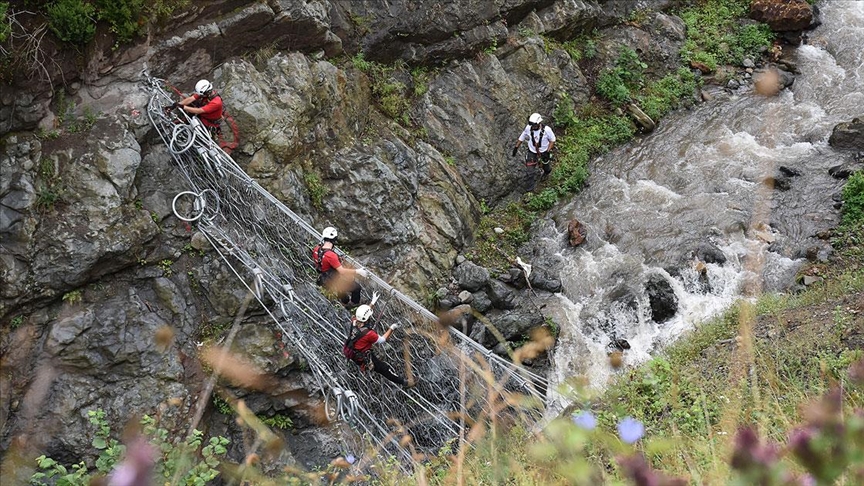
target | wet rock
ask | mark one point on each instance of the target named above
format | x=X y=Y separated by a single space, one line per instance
x=645 y=123
x=844 y=170
x=786 y=79
x=782 y=15
x=779 y=183
x=542 y=280
x=787 y=65
x=661 y=297
x=515 y=324
x=708 y=253
x=576 y=232
x=471 y=277
x=788 y=171
x=618 y=344
x=733 y=84
x=848 y=135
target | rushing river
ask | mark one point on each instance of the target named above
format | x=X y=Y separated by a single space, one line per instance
x=703 y=178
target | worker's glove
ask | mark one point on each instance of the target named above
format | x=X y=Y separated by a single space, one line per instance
x=393 y=327
x=374 y=298
x=515 y=151
x=362 y=272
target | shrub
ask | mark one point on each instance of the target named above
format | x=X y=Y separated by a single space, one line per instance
x=618 y=83
x=5 y=29
x=662 y=96
x=714 y=34
x=125 y=16
x=72 y=21
x=853 y=200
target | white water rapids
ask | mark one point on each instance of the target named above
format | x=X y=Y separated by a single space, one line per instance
x=700 y=179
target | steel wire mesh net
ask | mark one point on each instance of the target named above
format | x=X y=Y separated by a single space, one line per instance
x=269 y=248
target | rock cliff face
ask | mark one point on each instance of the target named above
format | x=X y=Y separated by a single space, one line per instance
x=93 y=263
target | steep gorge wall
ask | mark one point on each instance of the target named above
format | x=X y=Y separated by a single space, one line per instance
x=88 y=278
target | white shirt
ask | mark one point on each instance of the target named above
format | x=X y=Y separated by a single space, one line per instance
x=529 y=136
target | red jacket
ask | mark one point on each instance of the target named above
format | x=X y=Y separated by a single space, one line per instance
x=212 y=110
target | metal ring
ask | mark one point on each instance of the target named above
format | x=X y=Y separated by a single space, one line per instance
x=186 y=137
x=199 y=205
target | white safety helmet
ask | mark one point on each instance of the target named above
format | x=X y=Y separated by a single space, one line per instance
x=329 y=233
x=535 y=118
x=203 y=87
x=364 y=312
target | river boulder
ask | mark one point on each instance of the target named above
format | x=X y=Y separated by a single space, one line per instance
x=848 y=135
x=783 y=15
x=661 y=297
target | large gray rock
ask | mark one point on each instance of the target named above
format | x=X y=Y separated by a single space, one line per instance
x=470 y=276
x=848 y=135
x=661 y=298
x=513 y=325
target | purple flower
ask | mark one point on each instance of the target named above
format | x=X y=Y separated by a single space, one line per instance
x=350 y=458
x=630 y=430
x=584 y=420
x=750 y=455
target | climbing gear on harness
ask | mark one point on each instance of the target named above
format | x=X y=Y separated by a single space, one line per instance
x=318 y=258
x=364 y=312
x=350 y=352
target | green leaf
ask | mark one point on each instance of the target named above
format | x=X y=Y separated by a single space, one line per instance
x=99 y=443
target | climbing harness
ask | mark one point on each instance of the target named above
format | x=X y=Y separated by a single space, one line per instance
x=350 y=352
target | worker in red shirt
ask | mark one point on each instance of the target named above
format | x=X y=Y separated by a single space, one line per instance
x=334 y=276
x=361 y=338
x=206 y=104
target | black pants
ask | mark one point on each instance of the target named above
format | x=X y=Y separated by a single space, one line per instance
x=385 y=370
x=351 y=298
x=545 y=159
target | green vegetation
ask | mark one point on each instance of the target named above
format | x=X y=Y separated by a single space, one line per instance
x=853 y=200
x=177 y=462
x=664 y=95
x=167 y=267
x=389 y=90
x=125 y=17
x=72 y=297
x=72 y=21
x=786 y=370
x=492 y=248
x=714 y=35
x=16 y=322
x=5 y=28
x=617 y=83
x=316 y=188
